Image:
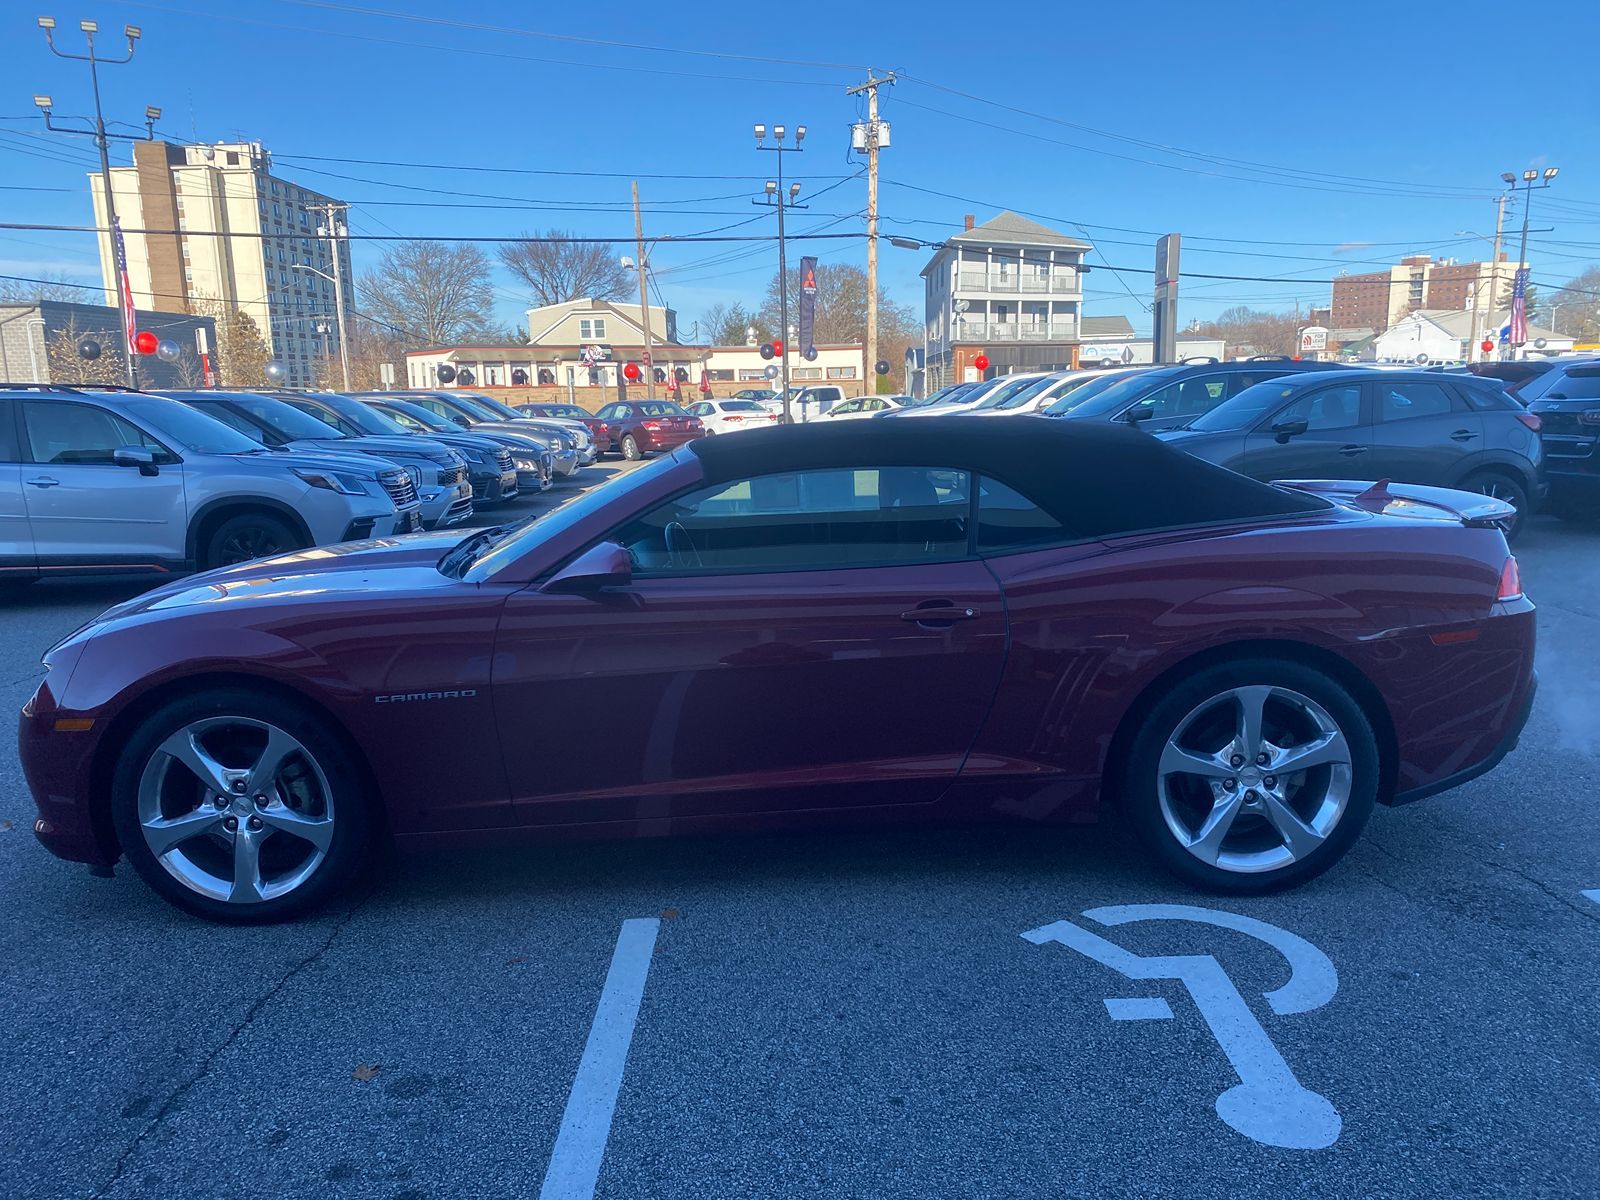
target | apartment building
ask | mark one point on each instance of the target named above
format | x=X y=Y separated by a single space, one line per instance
x=242 y=237
x=1010 y=290
x=1378 y=299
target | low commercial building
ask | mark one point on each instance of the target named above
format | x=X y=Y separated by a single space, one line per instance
x=1433 y=335
x=39 y=344
x=1111 y=342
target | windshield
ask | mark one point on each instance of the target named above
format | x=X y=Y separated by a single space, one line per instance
x=1118 y=395
x=473 y=405
x=285 y=420
x=352 y=412
x=741 y=406
x=1245 y=409
x=998 y=397
x=659 y=408
x=185 y=427
x=1018 y=399
x=489 y=404
x=564 y=515
x=401 y=411
x=559 y=410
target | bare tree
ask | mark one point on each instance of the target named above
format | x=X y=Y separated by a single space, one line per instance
x=436 y=293
x=842 y=315
x=1579 y=312
x=69 y=366
x=1251 y=331
x=725 y=325
x=556 y=272
x=242 y=353
x=54 y=285
x=190 y=374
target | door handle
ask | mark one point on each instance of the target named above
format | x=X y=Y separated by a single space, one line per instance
x=43 y=481
x=939 y=613
x=1462 y=435
x=1352 y=450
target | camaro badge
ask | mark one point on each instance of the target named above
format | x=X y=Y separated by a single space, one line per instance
x=407 y=697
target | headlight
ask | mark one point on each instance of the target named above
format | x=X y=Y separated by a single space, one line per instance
x=349 y=485
x=524 y=462
x=416 y=475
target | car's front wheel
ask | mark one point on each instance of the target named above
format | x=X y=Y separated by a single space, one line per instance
x=249 y=536
x=240 y=807
x=630 y=448
x=1252 y=776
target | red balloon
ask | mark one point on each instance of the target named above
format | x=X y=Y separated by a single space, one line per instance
x=981 y=362
x=777 y=346
x=146 y=342
x=1488 y=346
x=631 y=371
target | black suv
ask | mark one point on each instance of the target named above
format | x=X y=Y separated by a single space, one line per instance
x=1570 y=412
x=1456 y=431
x=1169 y=397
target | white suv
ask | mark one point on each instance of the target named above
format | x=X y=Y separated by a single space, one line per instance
x=108 y=481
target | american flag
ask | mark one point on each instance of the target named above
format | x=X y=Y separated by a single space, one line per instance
x=130 y=324
x=1519 y=308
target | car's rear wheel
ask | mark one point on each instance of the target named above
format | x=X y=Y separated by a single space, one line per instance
x=249 y=536
x=240 y=807
x=630 y=448
x=1252 y=776
x=1502 y=487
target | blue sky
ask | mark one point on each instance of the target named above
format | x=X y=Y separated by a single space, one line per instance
x=1282 y=140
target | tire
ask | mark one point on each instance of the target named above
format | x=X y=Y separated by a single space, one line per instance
x=314 y=814
x=1505 y=487
x=1197 y=722
x=247 y=537
x=630 y=448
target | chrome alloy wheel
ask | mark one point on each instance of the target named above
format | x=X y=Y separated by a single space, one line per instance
x=236 y=809
x=1254 y=779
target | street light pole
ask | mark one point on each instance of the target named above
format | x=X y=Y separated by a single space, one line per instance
x=1528 y=177
x=776 y=195
x=102 y=142
x=337 y=279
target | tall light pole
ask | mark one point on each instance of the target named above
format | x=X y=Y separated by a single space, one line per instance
x=338 y=311
x=334 y=231
x=775 y=195
x=1528 y=184
x=102 y=140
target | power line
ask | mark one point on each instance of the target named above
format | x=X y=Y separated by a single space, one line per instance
x=389 y=162
x=374 y=237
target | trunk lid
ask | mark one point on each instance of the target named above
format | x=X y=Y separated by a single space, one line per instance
x=1412 y=500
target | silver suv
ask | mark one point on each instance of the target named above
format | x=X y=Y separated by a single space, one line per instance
x=108 y=481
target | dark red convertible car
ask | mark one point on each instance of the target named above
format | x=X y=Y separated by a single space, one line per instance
x=952 y=619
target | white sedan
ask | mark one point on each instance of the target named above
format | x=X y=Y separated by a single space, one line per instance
x=730 y=416
x=865 y=406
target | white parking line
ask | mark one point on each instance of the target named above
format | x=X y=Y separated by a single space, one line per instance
x=581 y=1143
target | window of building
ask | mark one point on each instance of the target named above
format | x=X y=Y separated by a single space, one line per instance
x=805 y=372
x=841 y=372
x=720 y=376
x=591 y=328
x=233 y=158
x=751 y=374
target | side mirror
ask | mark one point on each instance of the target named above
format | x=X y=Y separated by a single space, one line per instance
x=136 y=456
x=1140 y=412
x=1288 y=429
x=597 y=568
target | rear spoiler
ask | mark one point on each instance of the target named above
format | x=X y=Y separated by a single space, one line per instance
x=1408 y=500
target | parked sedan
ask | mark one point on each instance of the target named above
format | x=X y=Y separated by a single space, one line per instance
x=568 y=441
x=531 y=452
x=730 y=416
x=493 y=410
x=569 y=412
x=1409 y=426
x=867 y=406
x=1245 y=686
x=439 y=473
x=641 y=427
x=491 y=469
x=1170 y=397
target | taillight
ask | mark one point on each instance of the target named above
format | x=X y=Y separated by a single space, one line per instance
x=651 y=424
x=1510 y=580
x=731 y=417
x=1532 y=421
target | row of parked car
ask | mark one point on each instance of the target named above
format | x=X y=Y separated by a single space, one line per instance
x=109 y=479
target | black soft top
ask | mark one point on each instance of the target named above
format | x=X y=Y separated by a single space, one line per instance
x=1097 y=479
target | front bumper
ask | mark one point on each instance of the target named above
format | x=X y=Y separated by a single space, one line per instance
x=57 y=766
x=496 y=486
x=654 y=441
x=565 y=462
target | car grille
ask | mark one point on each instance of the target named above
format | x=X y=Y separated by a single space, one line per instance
x=450 y=476
x=502 y=459
x=400 y=487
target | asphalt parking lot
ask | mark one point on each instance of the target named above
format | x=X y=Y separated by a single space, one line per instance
x=839 y=1014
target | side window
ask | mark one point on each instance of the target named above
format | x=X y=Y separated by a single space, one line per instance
x=1186 y=398
x=1328 y=409
x=806 y=520
x=234 y=419
x=405 y=419
x=622 y=412
x=1243 y=379
x=849 y=406
x=62 y=433
x=8 y=433
x=1407 y=401
x=1008 y=520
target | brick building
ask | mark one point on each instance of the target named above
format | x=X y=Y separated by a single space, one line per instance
x=1379 y=299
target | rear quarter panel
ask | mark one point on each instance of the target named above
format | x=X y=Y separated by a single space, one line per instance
x=1094 y=629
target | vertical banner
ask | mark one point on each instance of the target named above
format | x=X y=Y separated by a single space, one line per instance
x=130 y=324
x=202 y=345
x=808 y=305
x=1519 y=308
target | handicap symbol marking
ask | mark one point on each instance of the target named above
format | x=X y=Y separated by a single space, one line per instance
x=1593 y=894
x=1269 y=1104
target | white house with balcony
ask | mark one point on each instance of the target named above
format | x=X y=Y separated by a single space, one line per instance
x=1010 y=290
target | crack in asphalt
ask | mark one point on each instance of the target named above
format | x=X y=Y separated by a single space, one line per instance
x=1588 y=912
x=245 y=1022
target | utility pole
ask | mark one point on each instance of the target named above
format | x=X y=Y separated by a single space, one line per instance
x=334 y=232
x=644 y=296
x=1528 y=184
x=870 y=87
x=102 y=141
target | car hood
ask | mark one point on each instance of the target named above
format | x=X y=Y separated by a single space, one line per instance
x=377 y=565
x=387 y=447
x=312 y=458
